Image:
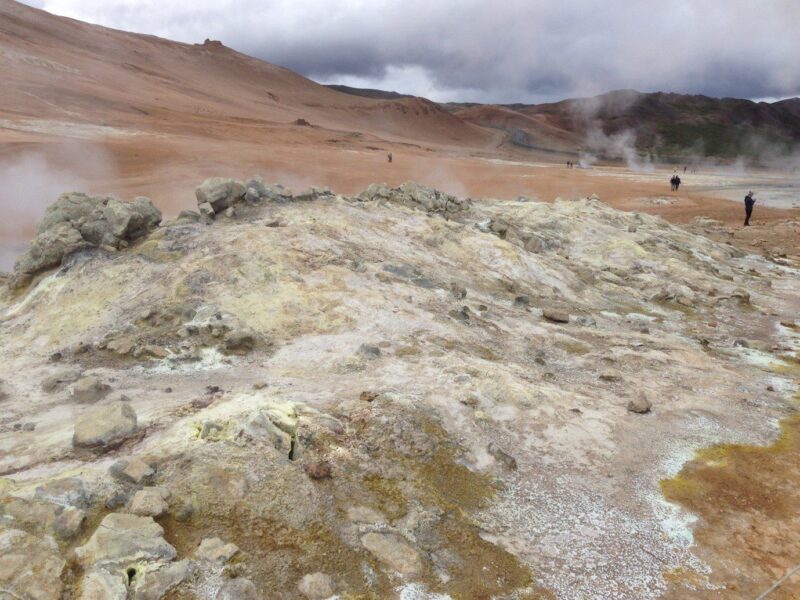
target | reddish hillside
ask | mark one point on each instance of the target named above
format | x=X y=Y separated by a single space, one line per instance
x=57 y=68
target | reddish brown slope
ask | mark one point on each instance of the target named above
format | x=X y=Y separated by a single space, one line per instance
x=58 y=68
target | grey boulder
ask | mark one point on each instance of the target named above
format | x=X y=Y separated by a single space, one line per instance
x=220 y=193
x=104 y=426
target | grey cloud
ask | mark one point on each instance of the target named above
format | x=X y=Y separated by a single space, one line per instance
x=517 y=50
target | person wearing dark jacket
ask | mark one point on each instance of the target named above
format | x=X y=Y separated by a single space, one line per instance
x=749 y=202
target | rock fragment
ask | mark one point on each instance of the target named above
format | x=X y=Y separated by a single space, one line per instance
x=238 y=588
x=219 y=193
x=29 y=565
x=522 y=301
x=123 y=538
x=610 y=375
x=318 y=470
x=239 y=341
x=104 y=426
x=89 y=390
x=132 y=470
x=503 y=458
x=640 y=404
x=556 y=315
x=316 y=586
x=76 y=221
x=69 y=522
x=369 y=351
x=154 y=584
x=103 y=585
x=59 y=379
x=394 y=552
x=150 y=502
x=216 y=551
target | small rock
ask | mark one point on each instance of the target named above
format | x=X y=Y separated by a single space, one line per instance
x=230 y=212
x=100 y=584
x=394 y=552
x=316 y=586
x=240 y=341
x=215 y=550
x=54 y=382
x=89 y=390
x=251 y=196
x=318 y=470
x=68 y=522
x=69 y=491
x=555 y=315
x=184 y=512
x=503 y=458
x=610 y=375
x=123 y=538
x=121 y=346
x=117 y=500
x=367 y=396
x=770 y=388
x=150 y=502
x=460 y=315
x=458 y=291
x=189 y=215
x=219 y=193
x=104 y=426
x=154 y=584
x=534 y=245
x=206 y=209
x=210 y=429
x=522 y=301
x=640 y=404
x=28 y=426
x=499 y=227
x=30 y=567
x=369 y=351
x=238 y=589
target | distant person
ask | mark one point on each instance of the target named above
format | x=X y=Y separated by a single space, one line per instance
x=684 y=170
x=389 y=156
x=749 y=202
x=677 y=182
x=672 y=183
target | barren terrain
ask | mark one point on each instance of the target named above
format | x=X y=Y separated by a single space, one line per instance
x=530 y=382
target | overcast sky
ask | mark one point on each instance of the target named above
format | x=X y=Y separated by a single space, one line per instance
x=503 y=51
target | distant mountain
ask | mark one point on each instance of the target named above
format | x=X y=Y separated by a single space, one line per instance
x=661 y=124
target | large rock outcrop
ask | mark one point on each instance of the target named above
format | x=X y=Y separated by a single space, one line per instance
x=78 y=221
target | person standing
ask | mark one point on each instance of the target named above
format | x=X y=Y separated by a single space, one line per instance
x=749 y=202
x=677 y=182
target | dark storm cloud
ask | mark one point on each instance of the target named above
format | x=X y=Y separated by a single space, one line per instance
x=517 y=50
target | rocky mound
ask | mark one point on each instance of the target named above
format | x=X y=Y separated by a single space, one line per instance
x=78 y=221
x=397 y=394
